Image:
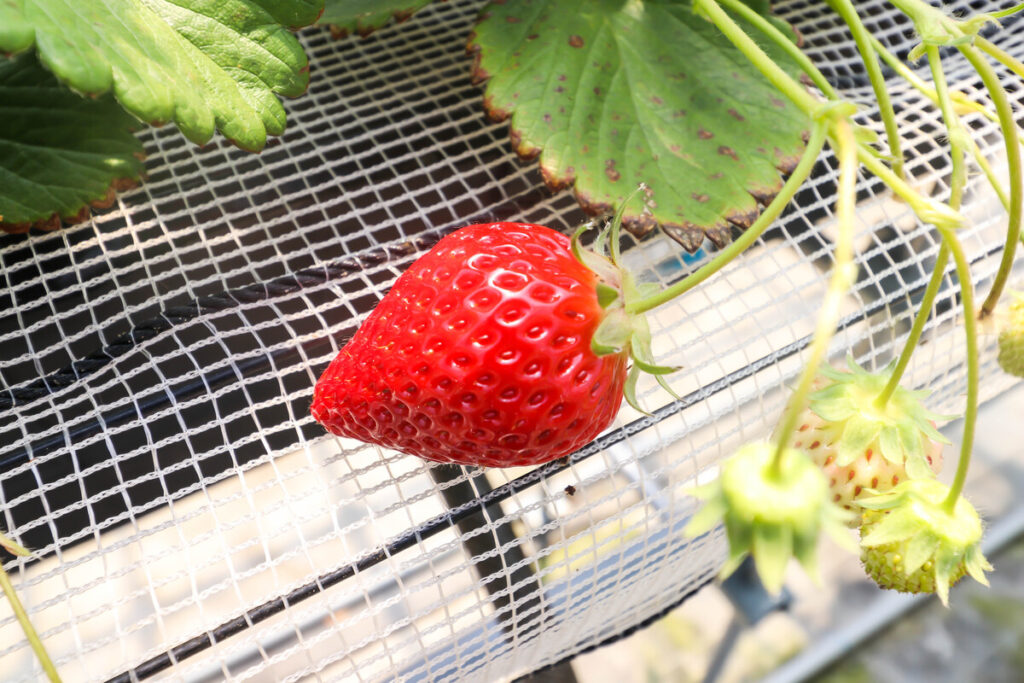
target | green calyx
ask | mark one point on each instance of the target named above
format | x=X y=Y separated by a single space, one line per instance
x=899 y=428
x=937 y=28
x=770 y=514
x=620 y=331
x=927 y=546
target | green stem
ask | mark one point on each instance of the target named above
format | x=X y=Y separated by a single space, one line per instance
x=923 y=312
x=26 y=626
x=957 y=135
x=928 y=210
x=960 y=103
x=839 y=283
x=1000 y=55
x=971 y=332
x=792 y=51
x=1006 y=12
x=785 y=83
x=956 y=192
x=861 y=36
x=749 y=236
x=1016 y=173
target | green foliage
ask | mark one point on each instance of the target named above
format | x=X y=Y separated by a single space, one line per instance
x=610 y=94
x=366 y=16
x=58 y=152
x=203 y=64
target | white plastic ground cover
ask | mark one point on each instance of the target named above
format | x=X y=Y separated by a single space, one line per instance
x=156 y=452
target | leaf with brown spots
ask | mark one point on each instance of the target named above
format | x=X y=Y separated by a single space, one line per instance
x=609 y=94
x=366 y=16
x=59 y=153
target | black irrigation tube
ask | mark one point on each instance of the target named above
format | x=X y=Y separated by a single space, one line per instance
x=451 y=518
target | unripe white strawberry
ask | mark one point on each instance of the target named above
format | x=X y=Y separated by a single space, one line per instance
x=1011 y=337
x=861 y=447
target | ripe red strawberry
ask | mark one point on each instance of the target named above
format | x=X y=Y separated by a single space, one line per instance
x=481 y=353
x=861 y=448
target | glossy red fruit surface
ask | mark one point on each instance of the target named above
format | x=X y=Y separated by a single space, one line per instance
x=479 y=355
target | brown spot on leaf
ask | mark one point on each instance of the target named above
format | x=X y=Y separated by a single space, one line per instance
x=736 y=115
x=657 y=100
x=688 y=235
x=705 y=134
x=556 y=182
x=786 y=162
x=512 y=20
x=532 y=36
x=727 y=151
x=679 y=113
x=702 y=198
x=674 y=148
x=597 y=91
x=559 y=89
x=494 y=112
x=609 y=170
x=547 y=118
x=743 y=219
x=561 y=77
x=575 y=40
x=716 y=176
x=764 y=195
x=638 y=226
x=719 y=234
x=776 y=102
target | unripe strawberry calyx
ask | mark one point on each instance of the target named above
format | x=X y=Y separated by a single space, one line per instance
x=620 y=331
x=914 y=541
x=772 y=513
x=900 y=427
x=1011 y=336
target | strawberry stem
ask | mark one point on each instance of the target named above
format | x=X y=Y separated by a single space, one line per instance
x=957 y=185
x=1006 y=12
x=792 y=51
x=749 y=236
x=928 y=210
x=26 y=624
x=971 y=333
x=1013 y=157
x=839 y=283
x=960 y=104
x=844 y=8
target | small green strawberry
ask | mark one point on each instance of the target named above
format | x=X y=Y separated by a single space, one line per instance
x=771 y=514
x=1011 y=337
x=911 y=543
x=861 y=446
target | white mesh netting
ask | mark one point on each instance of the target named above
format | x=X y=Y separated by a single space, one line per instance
x=189 y=520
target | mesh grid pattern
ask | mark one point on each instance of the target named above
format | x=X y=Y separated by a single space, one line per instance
x=158 y=456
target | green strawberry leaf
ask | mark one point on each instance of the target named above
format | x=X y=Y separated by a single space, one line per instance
x=58 y=152
x=366 y=16
x=610 y=94
x=203 y=64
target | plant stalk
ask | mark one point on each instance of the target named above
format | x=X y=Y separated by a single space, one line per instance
x=861 y=36
x=956 y=194
x=750 y=235
x=1011 y=136
x=26 y=626
x=772 y=32
x=971 y=333
x=839 y=283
